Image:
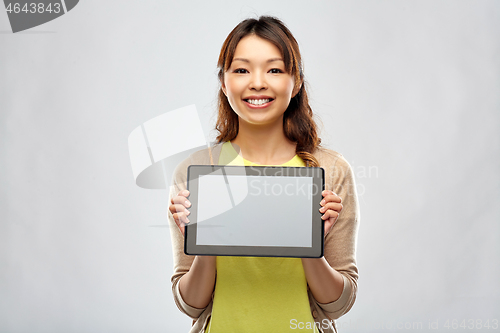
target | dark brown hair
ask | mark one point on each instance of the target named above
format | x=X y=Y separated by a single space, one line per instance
x=298 y=123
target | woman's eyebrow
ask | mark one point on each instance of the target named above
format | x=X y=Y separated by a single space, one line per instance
x=275 y=59
x=241 y=59
x=246 y=60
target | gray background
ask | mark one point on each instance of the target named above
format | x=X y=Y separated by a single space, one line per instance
x=408 y=91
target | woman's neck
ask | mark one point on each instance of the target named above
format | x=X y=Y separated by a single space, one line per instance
x=265 y=145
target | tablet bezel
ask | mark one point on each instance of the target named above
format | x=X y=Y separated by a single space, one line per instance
x=190 y=234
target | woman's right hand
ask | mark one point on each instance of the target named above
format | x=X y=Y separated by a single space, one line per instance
x=197 y=285
x=179 y=208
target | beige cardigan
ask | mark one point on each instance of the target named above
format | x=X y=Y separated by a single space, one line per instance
x=340 y=243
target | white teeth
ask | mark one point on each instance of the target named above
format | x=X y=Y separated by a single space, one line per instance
x=258 y=101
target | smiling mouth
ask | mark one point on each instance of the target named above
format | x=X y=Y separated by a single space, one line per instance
x=258 y=101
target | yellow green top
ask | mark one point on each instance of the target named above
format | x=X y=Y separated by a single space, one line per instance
x=259 y=294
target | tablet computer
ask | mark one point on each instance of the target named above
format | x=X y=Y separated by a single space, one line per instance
x=255 y=211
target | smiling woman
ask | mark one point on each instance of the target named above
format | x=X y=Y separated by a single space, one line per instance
x=264 y=118
x=257 y=84
x=266 y=53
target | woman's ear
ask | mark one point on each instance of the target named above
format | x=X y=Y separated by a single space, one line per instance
x=223 y=87
x=296 y=89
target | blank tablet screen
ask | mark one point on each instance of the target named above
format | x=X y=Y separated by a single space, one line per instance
x=254 y=210
x=264 y=216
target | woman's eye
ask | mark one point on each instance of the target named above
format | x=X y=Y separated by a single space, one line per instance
x=240 y=71
x=275 y=71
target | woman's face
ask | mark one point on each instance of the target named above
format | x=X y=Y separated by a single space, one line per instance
x=256 y=84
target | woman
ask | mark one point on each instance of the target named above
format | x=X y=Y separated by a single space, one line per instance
x=265 y=119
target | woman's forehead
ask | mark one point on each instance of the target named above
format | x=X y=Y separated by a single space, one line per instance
x=255 y=49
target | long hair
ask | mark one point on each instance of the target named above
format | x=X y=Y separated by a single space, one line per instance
x=298 y=123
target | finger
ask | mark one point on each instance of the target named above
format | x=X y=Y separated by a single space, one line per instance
x=330 y=198
x=183 y=193
x=331 y=205
x=328 y=192
x=330 y=214
x=329 y=226
x=181 y=217
x=181 y=227
x=178 y=208
x=180 y=200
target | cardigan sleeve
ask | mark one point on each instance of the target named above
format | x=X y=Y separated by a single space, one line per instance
x=182 y=262
x=340 y=243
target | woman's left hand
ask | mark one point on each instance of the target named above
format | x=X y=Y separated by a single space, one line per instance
x=330 y=208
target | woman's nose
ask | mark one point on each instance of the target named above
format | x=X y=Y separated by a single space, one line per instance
x=258 y=81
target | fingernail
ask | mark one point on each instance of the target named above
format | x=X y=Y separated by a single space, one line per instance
x=322 y=203
x=187 y=203
x=187 y=220
x=187 y=212
x=322 y=209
